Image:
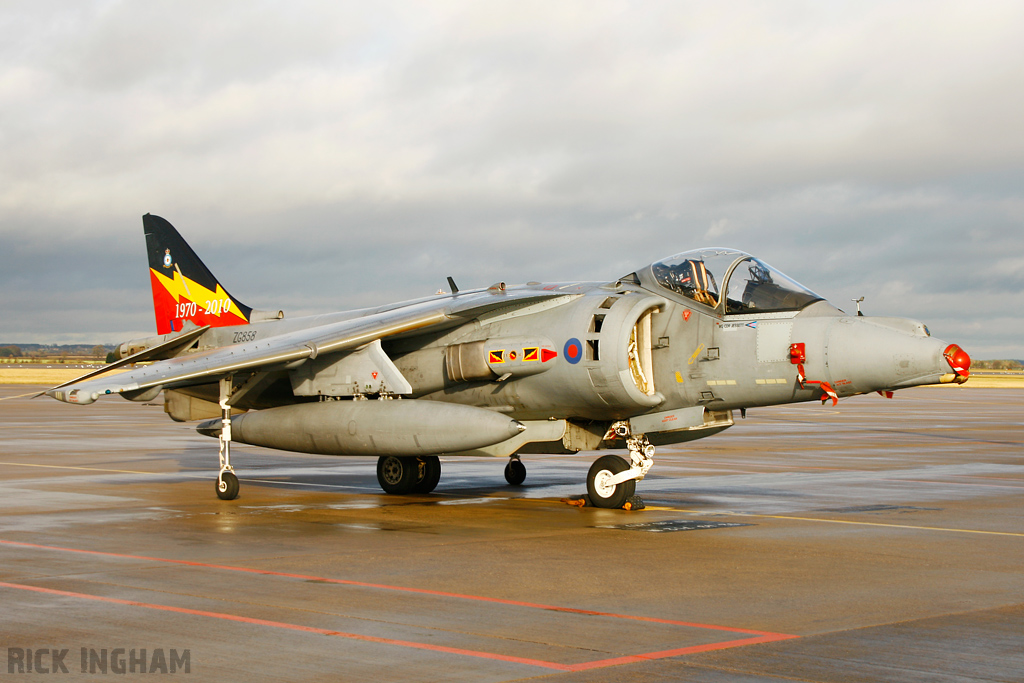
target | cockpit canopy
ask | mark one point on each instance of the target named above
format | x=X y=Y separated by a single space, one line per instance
x=749 y=285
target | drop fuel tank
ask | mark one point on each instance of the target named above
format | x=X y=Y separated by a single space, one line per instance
x=390 y=427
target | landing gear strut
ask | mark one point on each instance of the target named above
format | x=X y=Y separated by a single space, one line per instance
x=515 y=471
x=227 y=482
x=612 y=480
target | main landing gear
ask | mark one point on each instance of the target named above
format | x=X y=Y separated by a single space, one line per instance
x=611 y=481
x=401 y=475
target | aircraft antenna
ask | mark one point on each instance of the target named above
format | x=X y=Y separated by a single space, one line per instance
x=857 y=301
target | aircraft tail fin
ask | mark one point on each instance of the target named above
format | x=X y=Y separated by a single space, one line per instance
x=184 y=289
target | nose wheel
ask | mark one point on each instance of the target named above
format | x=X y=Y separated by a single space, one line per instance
x=602 y=487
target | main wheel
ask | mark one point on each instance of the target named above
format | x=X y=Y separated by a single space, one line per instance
x=227 y=486
x=602 y=494
x=515 y=472
x=397 y=475
x=429 y=473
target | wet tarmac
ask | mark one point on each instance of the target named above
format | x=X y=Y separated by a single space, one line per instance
x=877 y=541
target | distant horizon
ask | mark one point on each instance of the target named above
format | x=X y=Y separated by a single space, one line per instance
x=114 y=345
x=36 y=345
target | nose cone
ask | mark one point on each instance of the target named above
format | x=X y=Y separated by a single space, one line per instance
x=959 y=361
x=875 y=354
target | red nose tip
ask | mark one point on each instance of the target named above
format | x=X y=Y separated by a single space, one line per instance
x=959 y=361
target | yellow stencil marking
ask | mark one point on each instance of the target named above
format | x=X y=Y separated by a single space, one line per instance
x=696 y=353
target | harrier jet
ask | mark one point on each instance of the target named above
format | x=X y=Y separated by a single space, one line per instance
x=663 y=355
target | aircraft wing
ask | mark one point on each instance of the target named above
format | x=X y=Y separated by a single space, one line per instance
x=291 y=349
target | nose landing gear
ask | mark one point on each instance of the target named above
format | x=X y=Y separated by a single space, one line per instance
x=611 y=481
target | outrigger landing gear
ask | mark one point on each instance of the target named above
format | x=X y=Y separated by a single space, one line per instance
x=515 y=471
x=612 y=480
x=227 y=482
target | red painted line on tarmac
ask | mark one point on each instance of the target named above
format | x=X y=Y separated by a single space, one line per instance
x=420 y=591
x=664 y=654
x=293 y=627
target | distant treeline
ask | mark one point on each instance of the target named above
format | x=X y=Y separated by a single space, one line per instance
x=49 y=350
x=997 y=365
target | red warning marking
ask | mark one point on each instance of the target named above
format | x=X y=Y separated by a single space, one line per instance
x=531 y=353
x=512 y=355
x=374 y=374
x=496 y=356
x=547 y=354
x=686 y=314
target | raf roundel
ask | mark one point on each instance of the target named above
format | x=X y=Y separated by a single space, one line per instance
x=573 y=350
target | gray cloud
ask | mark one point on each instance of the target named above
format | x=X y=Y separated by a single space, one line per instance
x=327 y=155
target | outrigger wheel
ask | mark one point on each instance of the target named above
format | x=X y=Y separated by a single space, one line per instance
x=515 y=471
x=227 y=485
x=602 y=494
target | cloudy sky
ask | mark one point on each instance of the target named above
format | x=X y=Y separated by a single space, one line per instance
x=327 y=155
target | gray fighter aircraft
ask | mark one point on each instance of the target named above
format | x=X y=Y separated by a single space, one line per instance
x=662 y=355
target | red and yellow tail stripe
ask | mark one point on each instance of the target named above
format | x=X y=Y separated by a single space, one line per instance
x=177 y=299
